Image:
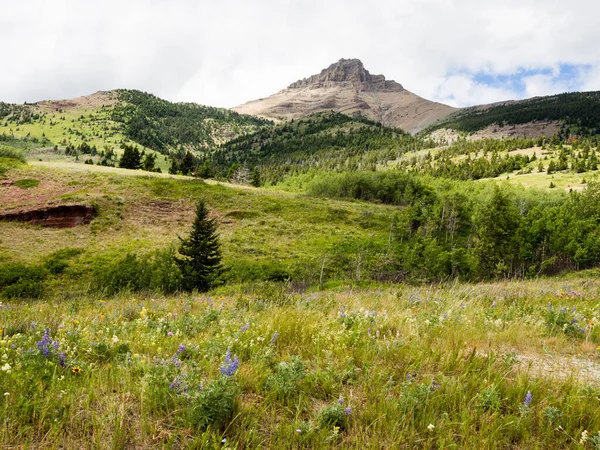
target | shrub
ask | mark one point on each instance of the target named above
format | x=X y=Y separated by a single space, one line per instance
x=216 y=404
x=285 y=381
x=27 y=183
x=333 y=416
x=156 y=271
x=21 y=281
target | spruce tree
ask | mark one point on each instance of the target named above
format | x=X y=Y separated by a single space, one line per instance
x=200 y=263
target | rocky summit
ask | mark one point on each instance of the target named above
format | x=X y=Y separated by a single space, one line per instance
x=347 y=87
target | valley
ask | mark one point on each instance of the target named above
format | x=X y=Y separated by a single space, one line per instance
x=394 y=273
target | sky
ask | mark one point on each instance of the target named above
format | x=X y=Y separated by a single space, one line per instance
x=228 y=52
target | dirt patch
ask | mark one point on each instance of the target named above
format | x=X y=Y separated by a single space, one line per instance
x=561 y=367
x=64 y=216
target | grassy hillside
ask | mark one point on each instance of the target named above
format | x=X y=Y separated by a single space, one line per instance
x=578 y=111
x=106 y=121
x=306 y=344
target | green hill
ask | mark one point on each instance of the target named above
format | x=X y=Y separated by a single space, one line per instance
x=322 y=141
x=579 y=112
x=109 y=120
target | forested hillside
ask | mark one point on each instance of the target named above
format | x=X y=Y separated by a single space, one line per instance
x=322 y=141
x=160 y=125
x=579 y=111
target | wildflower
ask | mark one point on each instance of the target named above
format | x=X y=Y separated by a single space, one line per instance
x=170 y=333
x=348 y=411
x=431 y=427
x=44 y=344
x=528 y=399
x=494 y=304
x=274 y=338
x=224 y=440
x=584 y=437
x=297 y=430
x=115 y=339
x=245 y=327
x=62 y=359
x=6 y=394
x=231 y=364
x=6 y=368
x=76 y=369
x=181 y=348
x=341 y=401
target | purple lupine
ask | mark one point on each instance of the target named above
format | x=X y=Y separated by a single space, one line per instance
x=528 y=399
x=341 y=401
x=274 y=338
x=348 y=411
x=62 y=359
x=245 y=327
x=44 y=344
x=231 y=364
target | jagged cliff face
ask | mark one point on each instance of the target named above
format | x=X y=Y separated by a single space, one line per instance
x=347 y=87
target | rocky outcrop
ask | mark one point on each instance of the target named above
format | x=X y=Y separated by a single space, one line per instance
x=64 y=216
x=352 y=73
x=347 y=87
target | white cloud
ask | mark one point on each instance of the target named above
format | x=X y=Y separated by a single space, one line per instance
x=226 y=53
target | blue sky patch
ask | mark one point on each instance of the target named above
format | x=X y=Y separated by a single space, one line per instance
x=568 y=74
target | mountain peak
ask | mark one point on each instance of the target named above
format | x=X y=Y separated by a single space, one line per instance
x=348 y=71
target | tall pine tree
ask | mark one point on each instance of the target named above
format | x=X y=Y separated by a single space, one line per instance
x=200 y=263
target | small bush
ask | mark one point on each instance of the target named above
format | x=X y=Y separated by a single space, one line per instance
x=11 y=153
x=27 y=183
x=333 y=416
x=284 y=383
x=21 y=281
x=215 y=405
x=56 y=263
x=157 y=271
x=564 y=321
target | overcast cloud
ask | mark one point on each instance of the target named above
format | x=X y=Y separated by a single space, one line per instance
x=227 y=52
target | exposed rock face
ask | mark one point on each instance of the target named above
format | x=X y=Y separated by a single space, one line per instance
x=347 y=87
x=64 y=216
x=352 y=73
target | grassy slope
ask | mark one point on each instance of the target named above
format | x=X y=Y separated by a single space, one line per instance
x=147 y=211
x=472 y=351
x=90 y=119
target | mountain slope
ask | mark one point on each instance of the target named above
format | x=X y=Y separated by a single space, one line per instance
x=570 y=113
x=113 y=117
x=322 y=141
x=347 y=87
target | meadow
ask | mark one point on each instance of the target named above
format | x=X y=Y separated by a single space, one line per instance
x=300 y=347
x=501 y=365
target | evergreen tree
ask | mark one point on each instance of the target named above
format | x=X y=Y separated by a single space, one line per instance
x=255 y=178
x=131 y=158
x=188 y=164
x=201 y=252
x=149 y=161
x=206 y=170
